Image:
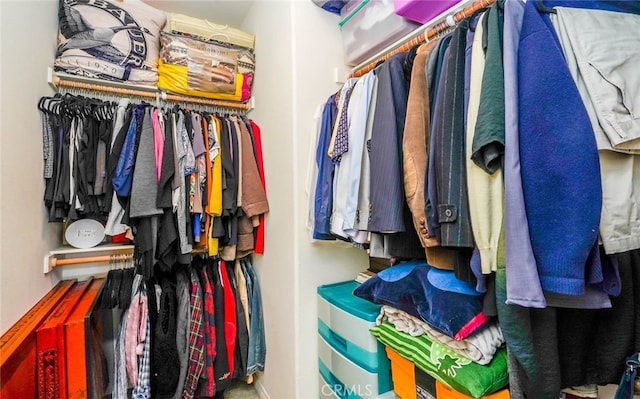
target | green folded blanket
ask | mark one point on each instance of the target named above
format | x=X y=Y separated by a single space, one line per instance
x=448 y=367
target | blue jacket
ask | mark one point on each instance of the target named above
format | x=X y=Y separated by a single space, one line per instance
x=123 y=175
x=559 y=159
x=323 y=198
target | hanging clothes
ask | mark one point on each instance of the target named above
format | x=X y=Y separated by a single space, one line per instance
x=222 y=370
x=326 y=169
x=487 y=124
x=207 y=385
x=182 y=328
x=165 y=369
x=447 y=206
x=180 y=183
x=174 y=188
x=601 y=62
x=196 y=338
x=254 y=129
x=256 y=355
x=414 y=148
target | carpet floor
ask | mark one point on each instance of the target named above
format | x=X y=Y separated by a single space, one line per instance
x=241 y=390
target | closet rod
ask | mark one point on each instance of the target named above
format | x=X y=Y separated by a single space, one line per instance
x=435 y=30
x=59 y=82
x=53 y=262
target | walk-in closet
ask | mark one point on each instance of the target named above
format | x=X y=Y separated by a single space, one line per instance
x=376 y=199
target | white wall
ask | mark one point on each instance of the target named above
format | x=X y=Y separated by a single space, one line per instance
x=27 y=48
x=270 y=21
x=297 y=47
x=317 y=51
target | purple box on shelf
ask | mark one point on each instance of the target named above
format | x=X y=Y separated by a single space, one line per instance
x=422 y=10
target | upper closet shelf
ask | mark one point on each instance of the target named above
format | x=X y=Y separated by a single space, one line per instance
x=437 y=25
x=58 y=79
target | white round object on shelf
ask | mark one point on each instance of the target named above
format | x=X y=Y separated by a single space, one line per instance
x=84 y=233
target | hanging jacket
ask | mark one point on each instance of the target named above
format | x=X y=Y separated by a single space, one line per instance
x=223 y=373
x=123 y=174
x=562 y=197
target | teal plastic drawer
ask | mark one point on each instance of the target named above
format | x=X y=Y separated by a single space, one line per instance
x=331 y=387
x=348 y=316
x=341 y=296
x=354 y=379
x=370 y=361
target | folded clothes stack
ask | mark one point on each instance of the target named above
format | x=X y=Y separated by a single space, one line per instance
x=435 y=321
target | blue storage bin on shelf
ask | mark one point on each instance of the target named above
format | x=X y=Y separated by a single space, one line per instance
x=351 y=361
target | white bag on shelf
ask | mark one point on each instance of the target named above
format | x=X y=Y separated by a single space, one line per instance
x=109 y=40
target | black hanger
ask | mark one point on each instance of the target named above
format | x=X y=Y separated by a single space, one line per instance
x=124 y=294
x=110 y=110
x=544 y=9
x=45 y=104
x=479 y=11
x=55 y=109
x=106 y=291
x=41 y=103
x=115 y=288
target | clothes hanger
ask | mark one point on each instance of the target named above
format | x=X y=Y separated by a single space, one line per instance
x=106 y=289
x=41 y=103
x=472 y=27
x=124 y=297
x=100 y=111
x=51 y=105
x=544 y=9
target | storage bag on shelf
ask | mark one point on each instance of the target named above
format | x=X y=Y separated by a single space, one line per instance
x=110 y=40
x=205 y=30
x=223 y=35
x=200 y=68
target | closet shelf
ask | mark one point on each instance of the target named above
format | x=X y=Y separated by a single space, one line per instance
x=58 y=79
x=430 y=29
x=67 y=255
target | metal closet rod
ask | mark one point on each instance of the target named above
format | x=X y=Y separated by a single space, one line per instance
x=432 y=32
x=59 y=82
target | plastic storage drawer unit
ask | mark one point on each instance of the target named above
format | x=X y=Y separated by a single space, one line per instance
x=327 y=389
x=368 y=26
x=350 y=359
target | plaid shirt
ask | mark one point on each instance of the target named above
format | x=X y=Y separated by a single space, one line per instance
x=143 y=389
x=208 y=387
x=196 y=339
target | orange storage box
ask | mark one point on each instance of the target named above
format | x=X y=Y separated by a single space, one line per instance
x=402 y=374
x=410 y=382
x=444 y=392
